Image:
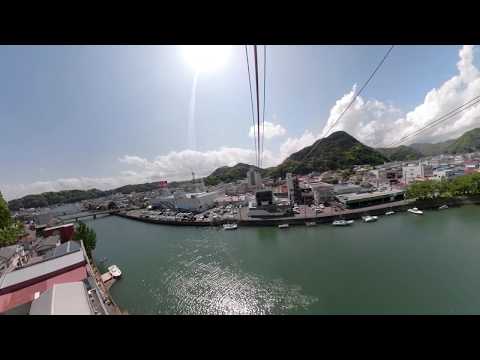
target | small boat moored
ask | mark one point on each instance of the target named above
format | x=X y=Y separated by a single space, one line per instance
x=230 y=226
x=369 y=218
x=342 y=222
x=391 y=212
x=283 y=226
x=415 y=211
x=443 y=207
x=310 y=223
x=115 y=271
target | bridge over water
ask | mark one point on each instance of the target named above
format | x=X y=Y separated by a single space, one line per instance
x=87 y=214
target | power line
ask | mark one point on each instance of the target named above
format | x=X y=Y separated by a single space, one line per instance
x=258 y=100
x=355 y=97
x=251 y=101
x=438 y=121
x=363 y=87
x=264 y=86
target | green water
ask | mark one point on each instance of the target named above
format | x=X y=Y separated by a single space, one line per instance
x=402 y=264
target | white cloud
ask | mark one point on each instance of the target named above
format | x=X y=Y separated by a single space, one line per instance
x=292 y=145
x=172 y=166
x=271 y=130
x=378 y=124
x=371 y=121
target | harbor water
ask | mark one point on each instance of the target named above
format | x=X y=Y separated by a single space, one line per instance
x=401 y=264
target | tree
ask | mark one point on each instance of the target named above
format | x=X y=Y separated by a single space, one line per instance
x=10 y=230
x=89 y=237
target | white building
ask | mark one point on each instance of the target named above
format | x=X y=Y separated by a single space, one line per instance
x=164 y=201
x=414 y=172
x=196 y=202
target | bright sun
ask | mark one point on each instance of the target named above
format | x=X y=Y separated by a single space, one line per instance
x=206 y=58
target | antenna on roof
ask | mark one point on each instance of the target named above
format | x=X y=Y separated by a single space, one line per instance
x=193 y=177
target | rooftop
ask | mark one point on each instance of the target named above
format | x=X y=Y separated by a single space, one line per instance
x=58 y=227
x=8 y=251
x=62 y=299
x=65 y=248
x=370 y=195
x=40 y=269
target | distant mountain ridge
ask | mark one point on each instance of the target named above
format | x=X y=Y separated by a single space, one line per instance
x=468 y=142
x=400 y=153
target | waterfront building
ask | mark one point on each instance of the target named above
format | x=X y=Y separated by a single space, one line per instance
x=163 y=202
x=23 y=285
x=265 y=206
x=196 y=202
x=63 y=299
x=352 y=201
x=340 y=189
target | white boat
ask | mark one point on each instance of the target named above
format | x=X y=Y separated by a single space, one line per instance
x=115 y=271
x=415 y=211
x=230 y=226
x=310 y=223
x=369 y=218
x=443 y=207
x=283 y=226
x=390 y=212
x=342 y=222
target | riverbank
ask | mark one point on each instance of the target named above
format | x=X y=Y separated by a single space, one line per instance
x=105 y=299
x=452 y=202
x=323 y=218
x=242 y=219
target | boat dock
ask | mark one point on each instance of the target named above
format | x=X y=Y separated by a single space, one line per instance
x=108 y=280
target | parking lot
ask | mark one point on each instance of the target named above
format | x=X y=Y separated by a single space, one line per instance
x=218 y=213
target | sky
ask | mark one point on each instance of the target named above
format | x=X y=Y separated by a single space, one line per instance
x=78 y=117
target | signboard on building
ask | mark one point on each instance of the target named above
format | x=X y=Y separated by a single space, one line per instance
x=163 y=184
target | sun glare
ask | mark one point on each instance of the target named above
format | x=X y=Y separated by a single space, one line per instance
x=206 y=58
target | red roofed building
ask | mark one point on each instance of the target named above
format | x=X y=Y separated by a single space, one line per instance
x=26 y=284
x=66 y=232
